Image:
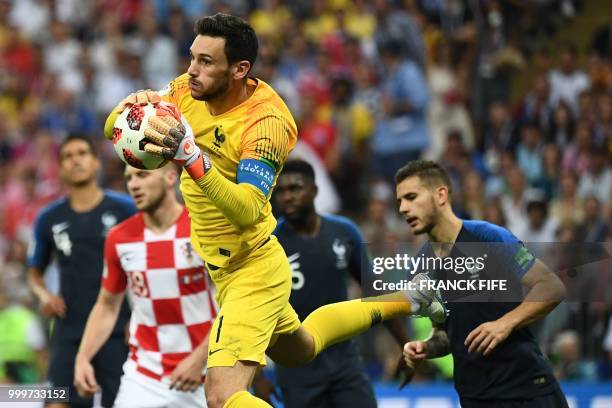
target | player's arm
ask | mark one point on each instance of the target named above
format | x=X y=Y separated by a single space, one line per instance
x=50 y=304
x=545 y=292
x=264 y=149
x=39 y=255
x=187 y=376
x=102 y=318
x=99 y=327
x=415 y=352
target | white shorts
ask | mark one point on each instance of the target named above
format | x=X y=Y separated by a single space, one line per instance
x=139 y=391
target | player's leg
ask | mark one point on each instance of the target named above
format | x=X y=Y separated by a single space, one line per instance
x=352 y=390
x=337 y=322
x=108 y=366
x=226 y=387
x=61 y=371
x=252 y=299
x=306 y=396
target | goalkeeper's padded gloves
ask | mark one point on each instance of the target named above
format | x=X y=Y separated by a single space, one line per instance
x=174 y=140
x=141 y=97
x=189 y=155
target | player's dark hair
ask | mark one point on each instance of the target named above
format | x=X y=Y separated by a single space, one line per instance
x=301 y=167
x=240 y=39
x=78 y=136
x=430 y=173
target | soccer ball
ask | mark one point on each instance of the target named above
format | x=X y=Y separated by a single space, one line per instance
x=129 y=138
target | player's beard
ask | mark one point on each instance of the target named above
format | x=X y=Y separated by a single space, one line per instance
x=429 y=219
x=154 y=203
x=216 y=90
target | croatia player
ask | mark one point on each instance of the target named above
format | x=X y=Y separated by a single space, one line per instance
x=172 y=309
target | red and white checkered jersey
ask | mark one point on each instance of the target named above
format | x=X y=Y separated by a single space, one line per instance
x=172 y=306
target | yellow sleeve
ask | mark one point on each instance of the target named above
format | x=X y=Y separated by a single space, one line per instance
x=241 y=203
x=265 y=147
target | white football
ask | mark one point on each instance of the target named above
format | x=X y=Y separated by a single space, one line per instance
x=129 y=138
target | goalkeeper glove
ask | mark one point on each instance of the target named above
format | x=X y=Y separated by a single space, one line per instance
x=174 y=140
x=141 y=97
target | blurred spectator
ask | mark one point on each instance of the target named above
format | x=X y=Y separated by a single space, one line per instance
x=319 y=133
x=535 y=107
x=567 y=207
x=603 y=125
x=31 y=16
x=447 y=110
x=20 y=212
x=597 y=180
x=498 y=135
x=473 y=200
x=381 y=225
x=570 y=365
x=63 y=115
x=561 y=131
x=112 y=87
x=108 y=42
x=354 y=124
x=181 y=31
x=551 y=164
x=602 y=41
x=402 y=133
x=529 y=153
x=594 y=228
x=158 y=52
x=497 y=57
x=399 y=28
x=577 y=154
x=271 y=19
x=539 y=227
x=514 y=201
x=63 y=54
x=567 y=81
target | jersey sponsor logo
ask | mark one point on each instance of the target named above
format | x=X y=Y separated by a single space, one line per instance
x=61 y=238
x=297 y=277
x=339 y=249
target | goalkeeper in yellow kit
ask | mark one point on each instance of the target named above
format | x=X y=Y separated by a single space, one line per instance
x=234 y=139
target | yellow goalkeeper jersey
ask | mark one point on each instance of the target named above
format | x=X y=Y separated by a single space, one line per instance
x=260 y=128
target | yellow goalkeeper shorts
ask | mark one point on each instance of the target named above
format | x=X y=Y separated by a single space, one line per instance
x=254 y=306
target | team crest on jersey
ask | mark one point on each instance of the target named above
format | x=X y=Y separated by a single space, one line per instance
x=187 y=250
x=340 y=250
x=61 y=238
x=108 y=220
x=219 y=136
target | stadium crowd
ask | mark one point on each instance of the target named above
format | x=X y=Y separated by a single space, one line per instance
x=371 y=84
